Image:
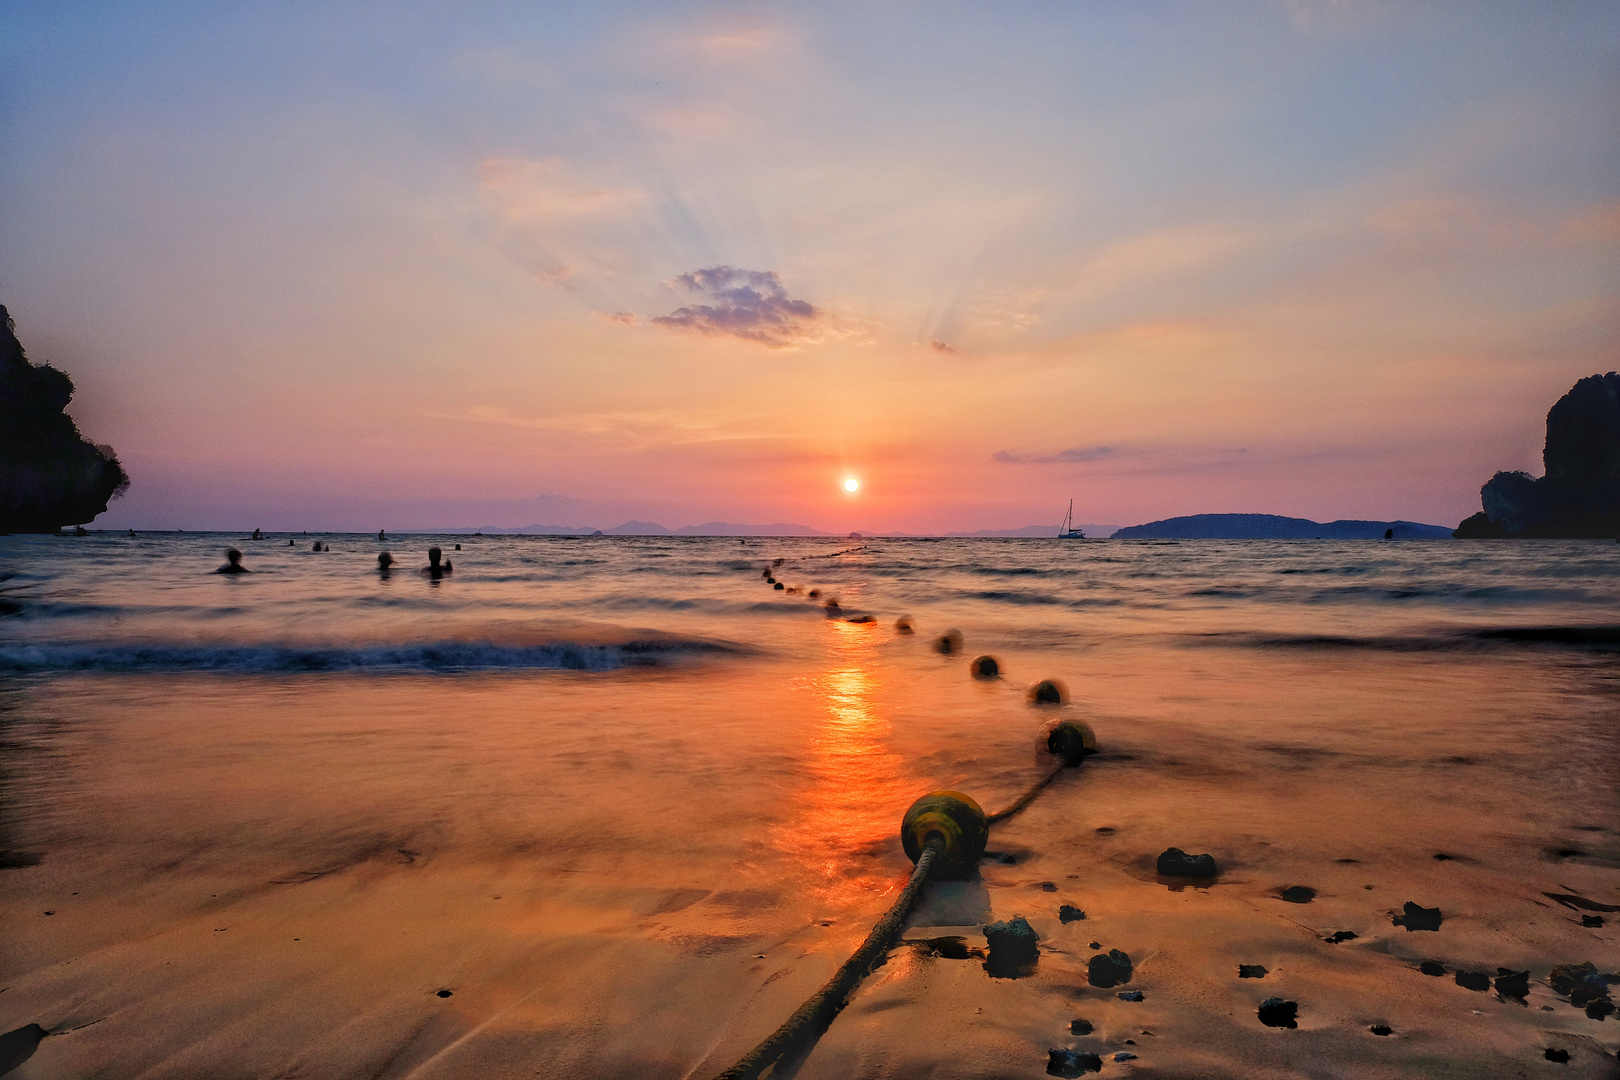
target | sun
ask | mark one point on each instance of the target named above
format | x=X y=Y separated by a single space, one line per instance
x=852 y=485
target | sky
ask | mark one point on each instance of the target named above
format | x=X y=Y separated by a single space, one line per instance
x=360 y=266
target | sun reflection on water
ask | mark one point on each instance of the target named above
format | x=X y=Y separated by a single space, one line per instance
x=859 y=789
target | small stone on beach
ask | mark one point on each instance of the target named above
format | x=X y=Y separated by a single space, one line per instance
x=1252 y=971
x=1275 y=1012
x=1414 y=917
x=1048 y=886
x=1560 y=1056
x=1432 y=967
x=1298 y=894
x=1080 y=1027
x=1177 y=863
x=1473 y=980
x=1340 y=935
x=1132 y=995
x=1068 y=913
x=1592 y=920
x=444 y=993
x=1379 y=1029
x=1071 y=1063
x=1513 y=985
x=1111 y=969
x=1124 y=1055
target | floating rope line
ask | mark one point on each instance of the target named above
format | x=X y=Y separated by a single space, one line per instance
x=944 y=832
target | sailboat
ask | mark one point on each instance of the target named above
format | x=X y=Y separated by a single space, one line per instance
x=1067 y=530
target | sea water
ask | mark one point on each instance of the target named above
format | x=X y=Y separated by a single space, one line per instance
x=615 y=806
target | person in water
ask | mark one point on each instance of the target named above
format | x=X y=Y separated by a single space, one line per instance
x=434 y=568
x=233 y=563
x=385 y=562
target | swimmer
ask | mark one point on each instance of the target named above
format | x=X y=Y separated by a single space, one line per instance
x=257 y=535
x=434 y=568
x=382 y=535
x=132 y=532
x=385 y=561
x=291 y=544
x=233 y=563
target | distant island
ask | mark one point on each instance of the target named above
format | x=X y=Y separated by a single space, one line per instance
x=1579 y=497
x=50 y=475
x=1275 y=527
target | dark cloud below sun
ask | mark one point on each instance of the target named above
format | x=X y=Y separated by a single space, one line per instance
x=747 y=304
x=1085 y=453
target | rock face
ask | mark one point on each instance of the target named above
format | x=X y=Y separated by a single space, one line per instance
x=1580 y=495
x=50 y=475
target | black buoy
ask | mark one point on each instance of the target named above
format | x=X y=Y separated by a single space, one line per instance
x=1071 y=741
x=777 y=585
x=902 y=625
x=1048 y=692
x=985 y=667
x=957 y=821
x=949 y=642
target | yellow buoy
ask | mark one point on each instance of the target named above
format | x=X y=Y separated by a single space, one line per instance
x=957 y=821
x=1071 y=741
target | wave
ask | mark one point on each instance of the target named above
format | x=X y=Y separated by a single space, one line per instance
x=404 y=657
x=1601 y=638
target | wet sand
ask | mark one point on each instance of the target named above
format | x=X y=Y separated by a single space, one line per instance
x=641 y=873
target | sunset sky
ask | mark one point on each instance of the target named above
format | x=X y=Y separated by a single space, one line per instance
x=336 y=266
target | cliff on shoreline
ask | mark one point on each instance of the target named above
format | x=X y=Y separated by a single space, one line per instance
x=1579 y=497
x=50 y=475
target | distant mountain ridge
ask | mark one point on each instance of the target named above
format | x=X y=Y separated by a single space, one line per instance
x=1276 y=527
x=729 y=528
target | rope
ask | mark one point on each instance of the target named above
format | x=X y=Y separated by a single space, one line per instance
x=1025 y=799
x=814 y=1016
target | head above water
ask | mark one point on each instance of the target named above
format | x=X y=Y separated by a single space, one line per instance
x=434 y=555
x=384 y=561
x=233 y=556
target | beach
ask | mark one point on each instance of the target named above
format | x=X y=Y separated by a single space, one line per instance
x=613 y=807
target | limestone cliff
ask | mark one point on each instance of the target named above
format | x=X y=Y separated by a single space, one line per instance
x=50 y=475
x=1580 y=495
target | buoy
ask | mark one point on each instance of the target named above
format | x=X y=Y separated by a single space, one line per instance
x=985 y=667
x=902 y=625
x=949 y=642
x=778 y=585
x=1048 y=692
x=1071 y=741
x=960 y=824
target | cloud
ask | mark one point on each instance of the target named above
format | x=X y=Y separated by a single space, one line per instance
x=549 y=190
x=1087 y=453
x=555 y=277
x=626 y=317
x=747 y=304
x=940 y=346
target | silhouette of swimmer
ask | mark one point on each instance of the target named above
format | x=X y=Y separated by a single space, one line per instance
x=382 y=535
x=233 y=563
x=257 y=535
x=385 y=562
x=1389 y=534
x=132 y=532
x=434 y=568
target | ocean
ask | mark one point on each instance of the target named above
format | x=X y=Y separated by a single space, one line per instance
x=614 y=806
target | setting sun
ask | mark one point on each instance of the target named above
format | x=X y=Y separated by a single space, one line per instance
x=852 y=485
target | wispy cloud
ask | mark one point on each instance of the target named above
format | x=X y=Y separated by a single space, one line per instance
x=941 y=346
x=550 y=190
x=747 y=304
x=625 y=318
x=1085 y=453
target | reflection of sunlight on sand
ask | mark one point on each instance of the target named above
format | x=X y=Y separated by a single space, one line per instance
x=852 y=808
